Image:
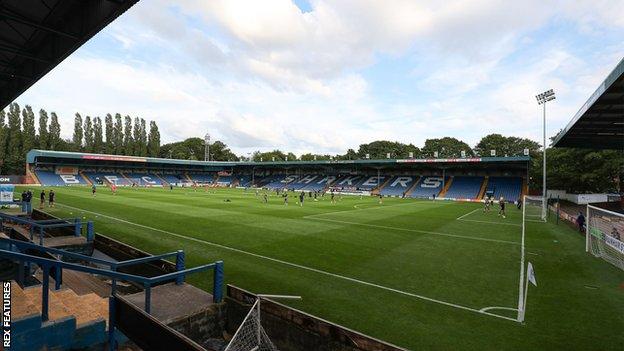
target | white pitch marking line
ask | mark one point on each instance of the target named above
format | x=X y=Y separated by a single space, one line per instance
x=299 y=266
x=498 y=308
x=469 y=213
x=413 y=230
x=491 y=222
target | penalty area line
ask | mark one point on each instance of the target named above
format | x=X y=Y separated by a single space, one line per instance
x=295 y=265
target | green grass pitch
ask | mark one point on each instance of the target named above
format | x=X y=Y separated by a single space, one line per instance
x=415 y=273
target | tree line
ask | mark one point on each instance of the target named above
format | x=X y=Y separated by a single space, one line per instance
x=114 y=135
x=574 y=170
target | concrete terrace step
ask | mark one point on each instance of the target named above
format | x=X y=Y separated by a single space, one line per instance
x=65 y=303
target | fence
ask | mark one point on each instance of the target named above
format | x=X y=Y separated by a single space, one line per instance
x=147 y=282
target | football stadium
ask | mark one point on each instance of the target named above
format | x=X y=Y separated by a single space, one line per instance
x=392 y=247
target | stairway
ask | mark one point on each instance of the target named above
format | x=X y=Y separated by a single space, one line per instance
x=377 y=190
x=411 y=188
x=447 y=185
x=75 y=321
x=483 y=188
x=86 y=179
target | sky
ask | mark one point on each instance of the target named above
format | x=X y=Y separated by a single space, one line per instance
x=323 y=76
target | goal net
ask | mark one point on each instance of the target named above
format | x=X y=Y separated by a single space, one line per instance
x=604 y=235
x=533 y=210
x=250 y=335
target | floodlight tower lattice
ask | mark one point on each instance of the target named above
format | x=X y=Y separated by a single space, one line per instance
x=207 y=147
x=542 y=99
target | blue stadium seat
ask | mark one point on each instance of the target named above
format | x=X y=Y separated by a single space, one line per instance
x=398 y=185
x=510 y=188
x=464 y=187
x=428 y=186
x=50 y=178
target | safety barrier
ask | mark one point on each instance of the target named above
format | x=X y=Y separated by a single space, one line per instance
x=147 y=282
x=41 y=225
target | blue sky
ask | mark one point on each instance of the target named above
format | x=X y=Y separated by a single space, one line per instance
x=323 y=76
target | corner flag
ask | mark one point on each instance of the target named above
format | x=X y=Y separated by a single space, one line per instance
x=531 y=274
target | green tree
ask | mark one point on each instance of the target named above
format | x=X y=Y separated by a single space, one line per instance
x=13 y=142
x=143 y=139
x=220 y=152
x=275 y=154
x=43 y=140
x=109 y=147
x=54 y=136
x=310 y=157
x=136 y=137
x=78 y=134
x=128 y=142
x=153 y=143
x=98 y=137
x=88 y=134
x=446 y=147
x=118 y=134
x=28 y=132
x=510 y=146
x=189 y=149
x=379 y=150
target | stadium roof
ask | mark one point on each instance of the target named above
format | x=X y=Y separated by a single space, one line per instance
x=34 y=156
x=35 y=36
x=599 y=124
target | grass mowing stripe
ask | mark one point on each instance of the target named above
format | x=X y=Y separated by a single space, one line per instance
x=315 y=217
x=449 y=304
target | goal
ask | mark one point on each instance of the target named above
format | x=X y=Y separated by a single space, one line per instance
x=250 y=335
x=533 y=210
x=605 y=232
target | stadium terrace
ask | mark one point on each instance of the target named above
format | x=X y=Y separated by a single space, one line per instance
x=468 y=179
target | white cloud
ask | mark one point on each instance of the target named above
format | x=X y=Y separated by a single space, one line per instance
x=263 y=74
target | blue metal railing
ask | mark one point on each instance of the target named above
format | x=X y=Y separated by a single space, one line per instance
x=147 y=282
x=41 y=225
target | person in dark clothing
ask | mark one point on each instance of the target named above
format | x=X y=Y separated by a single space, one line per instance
x=51 y=196
x=580 y=221
x=29 y=196
x=42 y=199
x=24 y=201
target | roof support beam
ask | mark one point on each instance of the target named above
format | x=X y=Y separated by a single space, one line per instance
x=6 y=15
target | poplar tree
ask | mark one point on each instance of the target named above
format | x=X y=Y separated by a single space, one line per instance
x=128 y=141
x=98 y=138
x=77 y=138
x=118 y=135
x=54 y=137
x=109 y=147
x=42 y=142
x=28 y=131
x=88 y=134
x=153 y=144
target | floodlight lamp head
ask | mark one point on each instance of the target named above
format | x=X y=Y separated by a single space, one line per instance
x=544 y=97
x=207 y=138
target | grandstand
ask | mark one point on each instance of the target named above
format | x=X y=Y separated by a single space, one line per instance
x=458 y=179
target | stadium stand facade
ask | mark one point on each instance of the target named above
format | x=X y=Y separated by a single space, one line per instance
x=454 y=179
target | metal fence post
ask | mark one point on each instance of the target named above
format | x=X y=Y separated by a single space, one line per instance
x=32 y=233
x=58 y=279
x=90 y=233
x=111 y=323
x=77 y=227
x=148 y=298
x=217 y=288
x=41 y=236
x=180 y=267
x=558 y=208
x=45 y=286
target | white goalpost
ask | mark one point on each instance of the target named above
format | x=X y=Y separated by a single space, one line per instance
x=250 y=335
x=605 y=234
x=532 y=211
